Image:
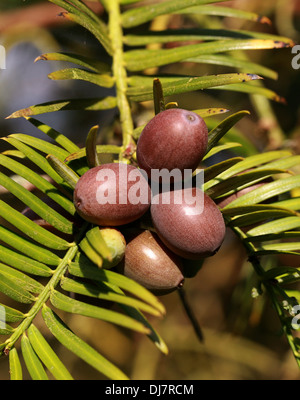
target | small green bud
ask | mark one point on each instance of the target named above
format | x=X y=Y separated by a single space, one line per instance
x=116 y=243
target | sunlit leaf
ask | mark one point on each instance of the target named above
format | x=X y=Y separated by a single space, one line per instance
x=35 y=256
x=79 y=347
x=33 y=364
x=37 y=205
x=101 y=149
x=266 y=191
x=217 y=149
x=39 y=182
x=85 y=270
x=42 y=145
x=47 y=355
x=31 y=229
x=189 y=84
x=236 y=183
x=9 y=314
x=137 y=60
x=227 y=12
x=256 y=160
x=103 y=80
x=101 y=291
x=259 y=216
x=63 y=170
x=13 y=290
x=65 y=303
x=90 y=63
x=216 y=169
x=146 y=13
x=280 y=225
x=25 y=281
x=61 y=139
x=252 y=89
x=15 y=368
x=94 y=104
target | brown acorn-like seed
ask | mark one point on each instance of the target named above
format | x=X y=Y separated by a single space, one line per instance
x=149 y=262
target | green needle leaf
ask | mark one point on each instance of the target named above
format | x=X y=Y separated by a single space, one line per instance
x=140 y=15
x=98 y=243
x=267 y=191
x=89 y=63
x=33 y=363
x=79 y=347
x=39 y=182
x=15 y=367
x=31 y=229
x=62 y=140
x=103 y=80
x=47 y=355
x=90 y=252
x=36 y=158
x=63 y=170
x=94 y=104
x=84 y=269
x=37 y=205
x=5 y=329
x=65 y=303
x=137 y=60
x=277 y=226
x=101 y=149
x=103 y=291
x=183 y=85
x=9 y=314
x=227 y=12
x=14 y=290
x=236 y=183
x=21 y=279
x=220 y=130
x=91 y=147
x=33 y=261
x=41 y=145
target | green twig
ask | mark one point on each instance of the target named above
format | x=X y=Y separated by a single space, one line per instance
x=120 y=76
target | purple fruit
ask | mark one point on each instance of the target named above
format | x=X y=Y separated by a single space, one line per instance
x=112 y=194
x=188 y=222
x=174 y=138
x=149 y=262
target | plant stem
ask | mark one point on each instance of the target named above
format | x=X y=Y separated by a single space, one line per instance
x=120 y=75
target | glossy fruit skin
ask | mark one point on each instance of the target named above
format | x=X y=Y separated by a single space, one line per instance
x=174 y=138
x=149 y=262
x=92 y=186
x=191 y=231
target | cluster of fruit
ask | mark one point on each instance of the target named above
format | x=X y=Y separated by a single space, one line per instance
x=187 y=224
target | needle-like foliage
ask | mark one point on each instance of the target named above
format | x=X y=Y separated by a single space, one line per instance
x=40 y=267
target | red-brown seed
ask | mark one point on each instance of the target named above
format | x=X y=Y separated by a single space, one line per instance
x=112 y=194
x=174 y=138
x=192 y=231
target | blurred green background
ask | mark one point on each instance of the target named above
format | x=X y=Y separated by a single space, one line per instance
x=243 y=339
